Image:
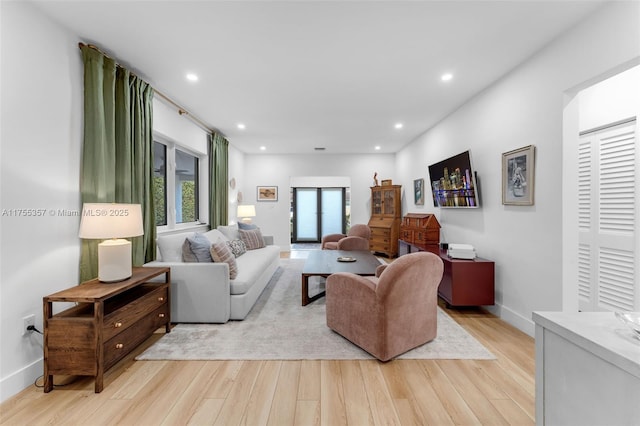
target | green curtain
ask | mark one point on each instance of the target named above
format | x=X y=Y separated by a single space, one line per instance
x=218 y=178
x=117 y=154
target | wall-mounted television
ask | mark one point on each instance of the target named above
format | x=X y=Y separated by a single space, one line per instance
x=453 y=182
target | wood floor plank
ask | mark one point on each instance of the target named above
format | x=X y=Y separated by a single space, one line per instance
x=332 y=406
x=262 y=394
x=188 y=403
x=427 y=407
x=283 y=408
x=207 y=412
x=156 y=400
x=473 y=397
x=357 y=404
x=380 y=400
x=236 y=401
x=225 y=376
x=457 y=408
x=309 y=387
x=307 y=413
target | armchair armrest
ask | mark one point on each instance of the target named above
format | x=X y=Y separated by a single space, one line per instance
x=331 y=238
x=380 y=269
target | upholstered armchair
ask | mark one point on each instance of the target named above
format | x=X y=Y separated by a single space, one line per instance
x=356 y=239
x=391 y=313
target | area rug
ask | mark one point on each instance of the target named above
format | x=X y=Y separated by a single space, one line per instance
x=279 y=328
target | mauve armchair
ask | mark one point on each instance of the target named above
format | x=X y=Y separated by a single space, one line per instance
x=391 y=313
x=356 y=239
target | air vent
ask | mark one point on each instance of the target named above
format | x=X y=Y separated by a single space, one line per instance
x=319 y=148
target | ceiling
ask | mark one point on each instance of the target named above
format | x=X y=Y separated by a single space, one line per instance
x=307 y=74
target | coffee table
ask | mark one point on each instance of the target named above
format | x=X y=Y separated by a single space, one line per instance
x=322 y=263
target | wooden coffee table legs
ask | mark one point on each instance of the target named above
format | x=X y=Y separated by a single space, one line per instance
x=305 y=289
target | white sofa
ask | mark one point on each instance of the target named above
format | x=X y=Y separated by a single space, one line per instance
x=202 y=292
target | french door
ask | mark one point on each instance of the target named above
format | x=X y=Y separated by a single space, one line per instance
x=317 y=212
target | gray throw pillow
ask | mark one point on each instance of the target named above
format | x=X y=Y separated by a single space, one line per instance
x=247 y=226
x=196 y=249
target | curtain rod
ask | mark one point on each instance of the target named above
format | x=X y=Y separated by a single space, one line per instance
x=167 y=99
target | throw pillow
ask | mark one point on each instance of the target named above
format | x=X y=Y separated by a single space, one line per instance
x=196 y=249
x=252 y=238
x=238 y=248
x=220 y=252
x=246 y=226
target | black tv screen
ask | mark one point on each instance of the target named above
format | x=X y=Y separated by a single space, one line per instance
x=453 y=182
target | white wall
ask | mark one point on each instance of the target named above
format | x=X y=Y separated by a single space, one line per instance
x=265 y=169
x=524 y=108
x=40 y=136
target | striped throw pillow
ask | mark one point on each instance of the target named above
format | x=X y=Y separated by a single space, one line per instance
x=220 y=252
x=252 y=238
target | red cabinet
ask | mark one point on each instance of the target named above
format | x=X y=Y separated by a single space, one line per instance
x=464 y=282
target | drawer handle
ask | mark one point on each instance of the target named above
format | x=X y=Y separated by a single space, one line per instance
x=117 y=325
x=160 y=299
x=119 y=346
x=160 y=315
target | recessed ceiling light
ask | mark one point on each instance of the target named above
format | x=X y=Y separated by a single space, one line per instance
x=241 y=126
x=377 y=148
x=399 y=125
x=192 y=77
x=446 y=77
x=263 y=148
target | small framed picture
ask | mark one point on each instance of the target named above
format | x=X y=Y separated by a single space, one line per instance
x=267 y=193
x=418 y=192
x=518 y=168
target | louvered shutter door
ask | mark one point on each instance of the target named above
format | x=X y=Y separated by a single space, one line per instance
x=608 y=180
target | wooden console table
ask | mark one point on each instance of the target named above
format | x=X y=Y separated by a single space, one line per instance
x=108 y=321
x=464 y=282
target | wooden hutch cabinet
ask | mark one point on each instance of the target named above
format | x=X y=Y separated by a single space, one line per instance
x=385 y=219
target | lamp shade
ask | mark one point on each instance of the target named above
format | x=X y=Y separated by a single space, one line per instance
x=105 y=220
x=246 y=210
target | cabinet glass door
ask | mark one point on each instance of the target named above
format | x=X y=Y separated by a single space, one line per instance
x=389 y=202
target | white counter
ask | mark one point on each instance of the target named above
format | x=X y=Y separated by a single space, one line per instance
x=587 y=370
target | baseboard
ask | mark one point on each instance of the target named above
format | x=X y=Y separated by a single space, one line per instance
x=20 y=380
x=523 y=324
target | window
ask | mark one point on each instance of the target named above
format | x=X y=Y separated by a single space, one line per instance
x=176 y=193
x=186 y=187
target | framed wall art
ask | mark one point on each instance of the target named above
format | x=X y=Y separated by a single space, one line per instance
x=267 y=193
x=418 y=192
x=518 y=168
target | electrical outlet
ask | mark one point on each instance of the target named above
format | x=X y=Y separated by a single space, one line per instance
x=26 y=322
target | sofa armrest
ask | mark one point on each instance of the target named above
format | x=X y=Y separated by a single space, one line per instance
x=200 y=292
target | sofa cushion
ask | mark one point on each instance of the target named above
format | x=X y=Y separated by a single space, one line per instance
x=230 y=231
x=237 y=247
x=251 y=265
x=196 y=249
x=252 y=238
x=170 y=246
x=220 y=252
x=214 y=236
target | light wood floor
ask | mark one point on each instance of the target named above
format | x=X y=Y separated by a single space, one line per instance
x=400 y=392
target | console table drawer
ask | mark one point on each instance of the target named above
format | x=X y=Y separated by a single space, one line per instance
x=150 y=298
x=120 y=345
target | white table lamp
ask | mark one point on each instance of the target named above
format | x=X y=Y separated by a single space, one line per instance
x=246 y=212
x=112 y=223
